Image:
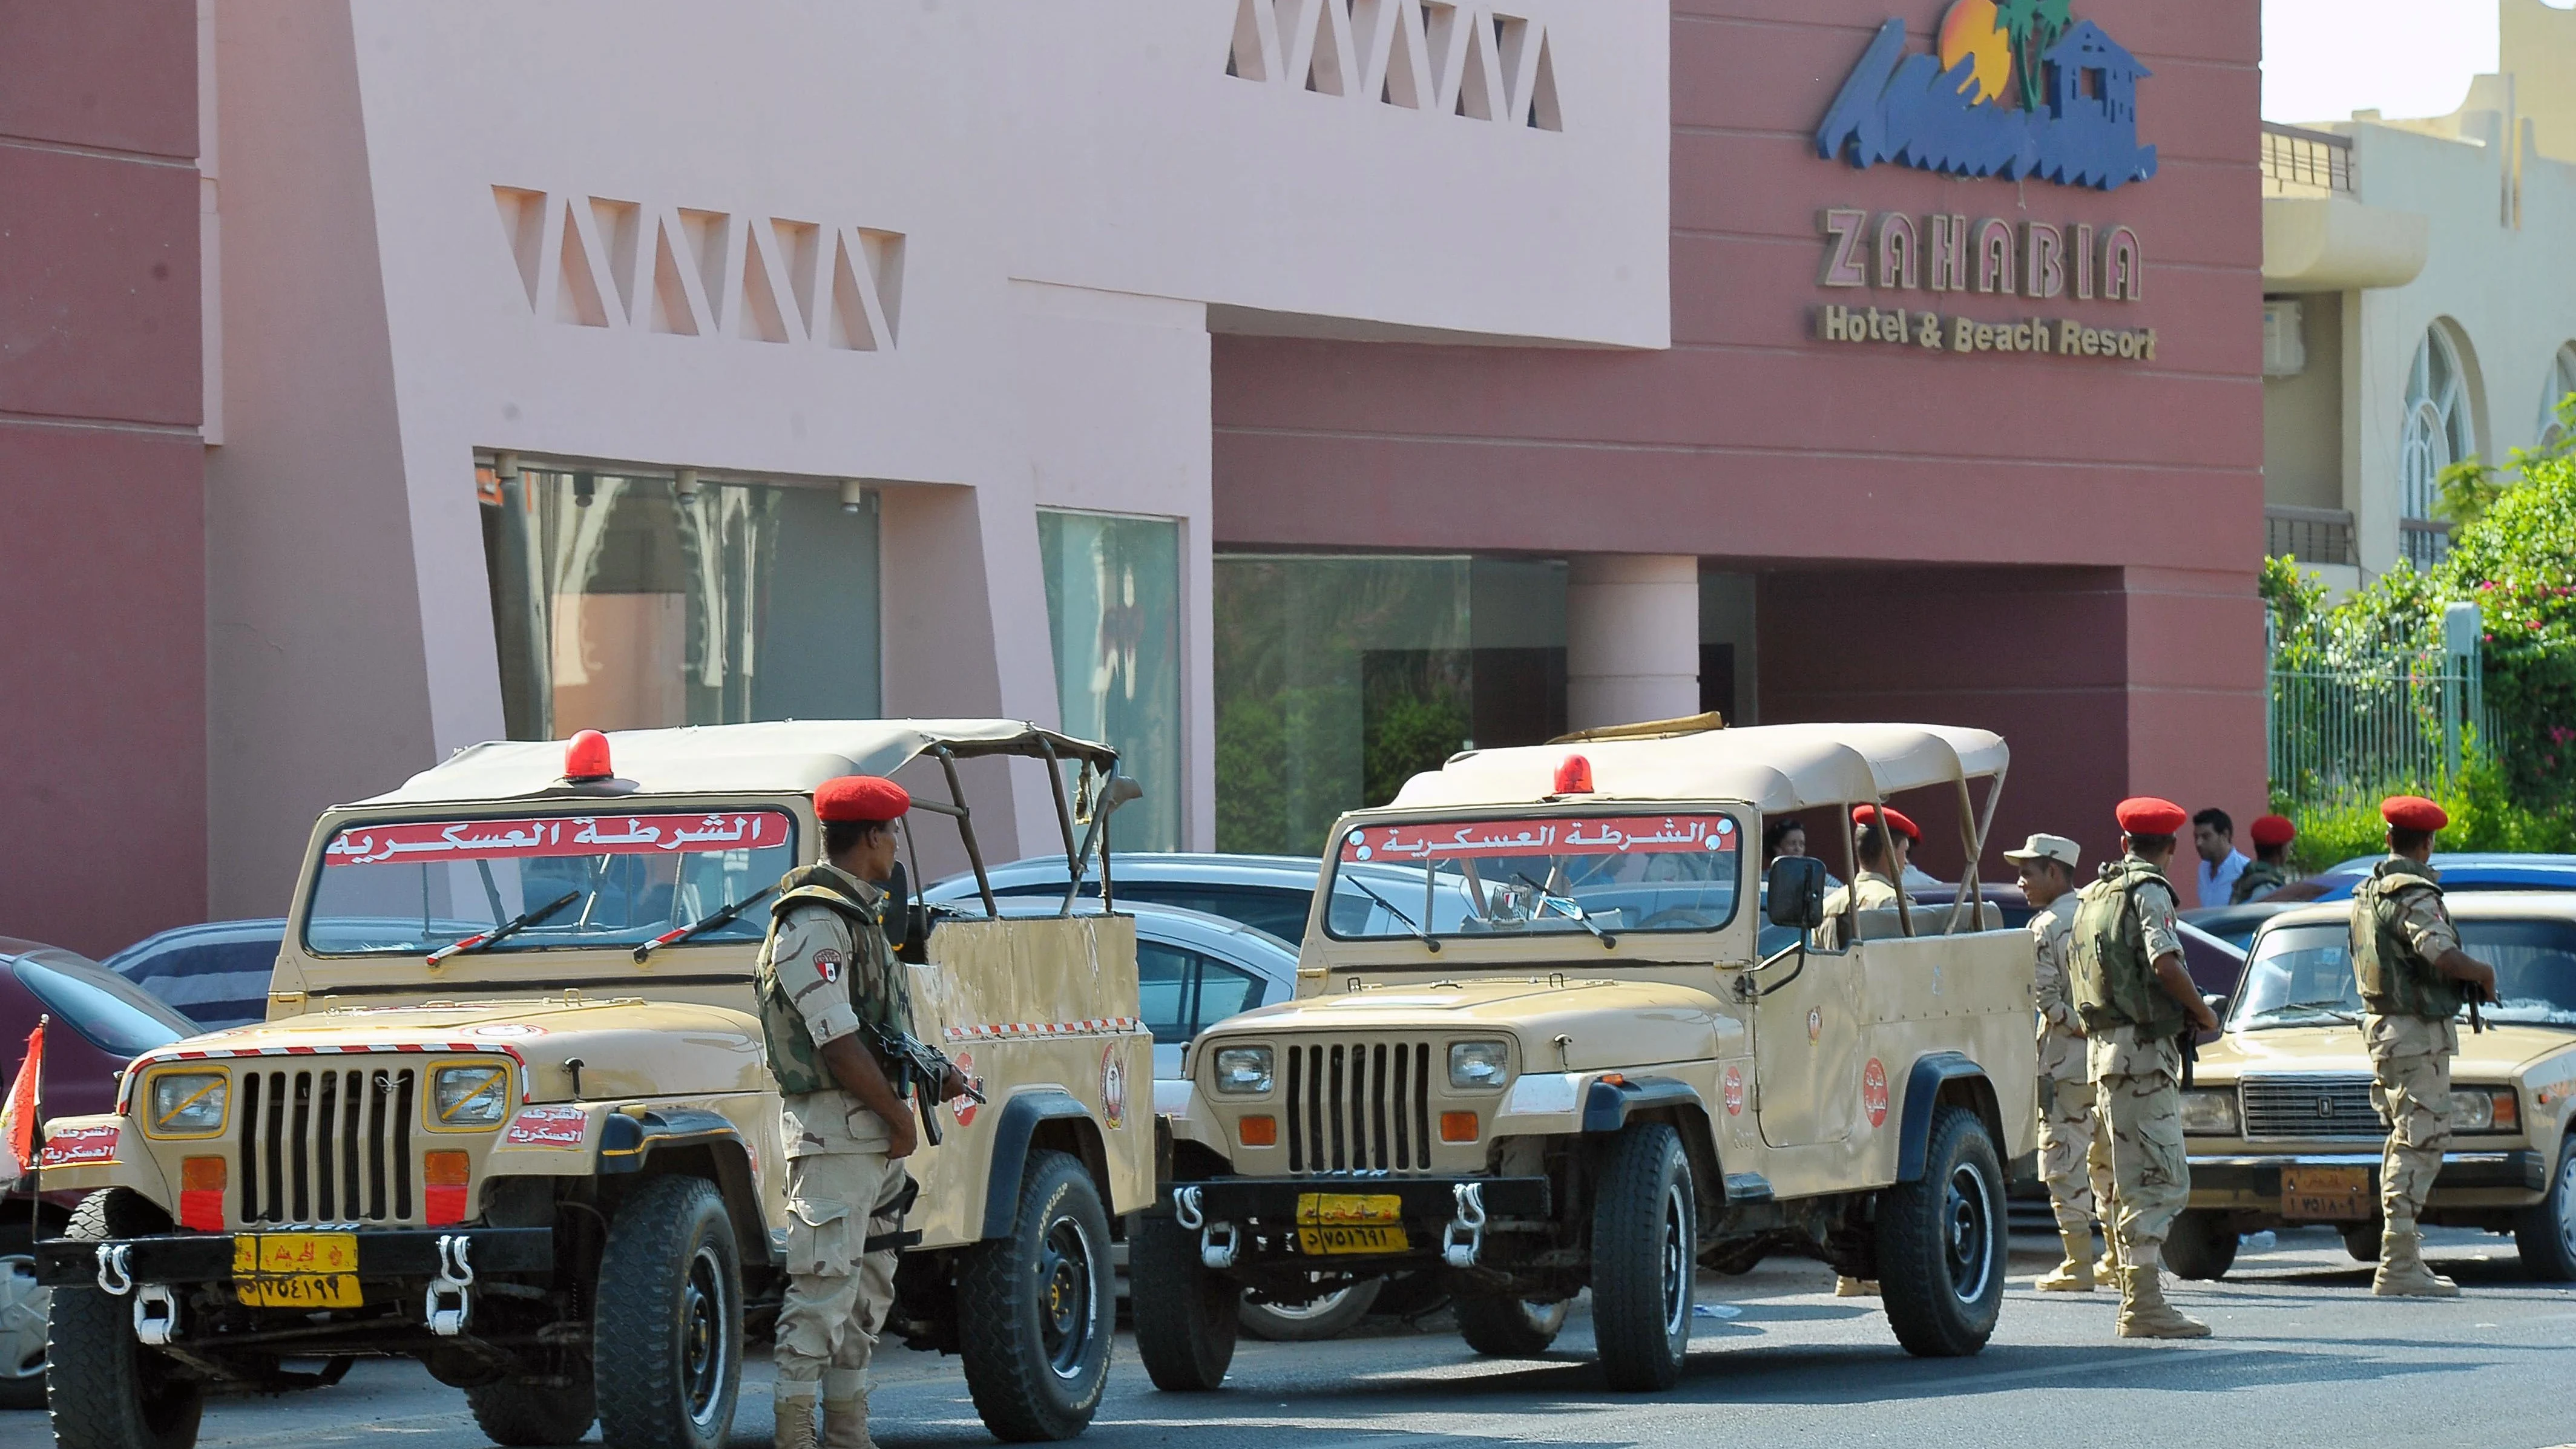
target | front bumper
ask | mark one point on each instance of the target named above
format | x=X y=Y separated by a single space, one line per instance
x=1256 y=1222
x=175 y=1259
x=2512 y=1177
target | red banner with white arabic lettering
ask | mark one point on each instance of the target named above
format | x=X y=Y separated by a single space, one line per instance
x=557 y=836
x=1412 y=842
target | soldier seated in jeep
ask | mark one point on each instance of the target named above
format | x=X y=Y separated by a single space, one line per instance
x=510 y=1116
x=1536 y=1051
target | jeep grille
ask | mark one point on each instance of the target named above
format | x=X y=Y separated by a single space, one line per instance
x=327 y=1146
x=1359 y=1106
x=2333 y=1105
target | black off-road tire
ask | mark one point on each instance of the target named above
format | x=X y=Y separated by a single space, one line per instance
x=2202 y=1246
x=2545 y=1232
x=1036 y=1310
x=1185 y=1316
x=666 y=1344
x=2361 y=1240
x=526 y=1416
x=1942 y=1242
x=1504 y=1327
x=108 y=1391
x=22 y=1317
x=1329 y=1317
x=1645 y=1255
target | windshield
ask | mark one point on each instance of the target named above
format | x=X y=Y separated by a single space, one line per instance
x=2302 y=975
x=408 y=887
x=1547 y=875
x=105 y=1008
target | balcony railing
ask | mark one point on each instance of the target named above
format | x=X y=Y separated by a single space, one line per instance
x=2310 y=535
x=2424 y=541
x=2305 y=163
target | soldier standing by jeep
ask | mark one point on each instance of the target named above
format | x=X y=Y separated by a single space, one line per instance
x=2069 y=1120
x=2134 y=997
x=825 y=973
x=2414 y=978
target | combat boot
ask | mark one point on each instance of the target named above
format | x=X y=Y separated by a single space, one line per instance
x=2402 y=1273
x=795 y=1422
x=2144 y=1313
x=1855 y=1287
x=2108 y=1270
x=845 y=1422
x=2075 y=1275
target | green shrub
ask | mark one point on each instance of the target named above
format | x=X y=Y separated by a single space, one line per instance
x=2484 y=816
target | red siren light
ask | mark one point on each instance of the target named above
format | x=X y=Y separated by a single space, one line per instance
x=586 y=758
x=1574 y=776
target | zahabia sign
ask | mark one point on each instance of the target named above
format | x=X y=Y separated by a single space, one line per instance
x=2013 y=89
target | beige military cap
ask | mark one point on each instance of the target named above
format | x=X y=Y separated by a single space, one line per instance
x=2048 y=847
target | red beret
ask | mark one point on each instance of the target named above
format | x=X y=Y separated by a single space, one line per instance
x=2272 y=830
x=859 y=797
x=2148 y=815
x=1896 y=821
x=2413 y=812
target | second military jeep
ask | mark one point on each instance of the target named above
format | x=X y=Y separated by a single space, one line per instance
x=510 y=1114
x=1548 y=1039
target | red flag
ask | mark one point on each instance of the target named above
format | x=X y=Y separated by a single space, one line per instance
x=18 y=1111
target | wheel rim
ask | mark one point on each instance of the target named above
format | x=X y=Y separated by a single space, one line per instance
x=1969 y=1241
x=1068 y=1296
x=2567 y=1206
x=1302 y=1312
x=1676 y=1261
x=23 y=1305
x=706 y=1335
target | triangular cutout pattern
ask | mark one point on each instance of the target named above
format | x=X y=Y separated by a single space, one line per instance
x=671 y=309
x=614 y=223
x=1324 y=67
x=846 y=325
x=1476 y=98
x=577 y=298
x=757 y=316
x=1246 y=57
x=799 y=252
x=1464 y=59
x=1403 y=68
x=1545 y=114
x=884 y=252
x=523 y=226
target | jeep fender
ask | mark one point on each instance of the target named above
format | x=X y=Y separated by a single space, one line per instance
x=1607 y=1104
x=1019 y=1124
x=1924 y=1087
x=691 y=1141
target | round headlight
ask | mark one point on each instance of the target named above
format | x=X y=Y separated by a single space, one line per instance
x=1474 y=1065
x=470 y=1096
x=1243 y=1071
x=188 y=1104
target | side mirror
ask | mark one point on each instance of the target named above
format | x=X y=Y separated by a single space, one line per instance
x=1794 y=892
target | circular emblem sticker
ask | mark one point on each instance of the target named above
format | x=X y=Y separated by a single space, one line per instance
x=1734 y=1091
x=1815 y=1022
x=1873 y=1091
x=507 y=1031
x=1113 y=1086
x=964 y=1107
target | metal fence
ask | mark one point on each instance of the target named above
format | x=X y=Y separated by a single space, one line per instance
x=2358 y=718
x=2299 y=162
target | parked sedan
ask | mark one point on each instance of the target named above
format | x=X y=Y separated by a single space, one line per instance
x=214 y=974
x=2464 y=870
x=96 y=1023
x=1266 y=892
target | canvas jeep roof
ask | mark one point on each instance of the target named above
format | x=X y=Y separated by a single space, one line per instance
x=706 y=759
x=1775 y=767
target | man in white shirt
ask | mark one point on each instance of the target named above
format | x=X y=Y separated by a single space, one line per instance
x=2213 y=836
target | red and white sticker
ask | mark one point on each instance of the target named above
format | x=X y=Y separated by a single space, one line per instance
x=1572 y=835
x=964 y=1107
x=556 y=837
x=1113 y=1086
x=1873 y=1091
x=827 y=964
x=558 y=1127
x=1734 y=1091
x=79 y=1146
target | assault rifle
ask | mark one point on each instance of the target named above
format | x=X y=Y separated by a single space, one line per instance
x=922 y=1068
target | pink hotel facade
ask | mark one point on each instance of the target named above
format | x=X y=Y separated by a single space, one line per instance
x=1291 y=391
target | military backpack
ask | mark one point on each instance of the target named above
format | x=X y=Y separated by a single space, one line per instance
x=2394 y=977
x=2112 y=981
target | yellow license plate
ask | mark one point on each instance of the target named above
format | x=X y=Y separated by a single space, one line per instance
x=296 y=1270
x=1352 y=1240
x=2326 y=1194
x=1350 y=1222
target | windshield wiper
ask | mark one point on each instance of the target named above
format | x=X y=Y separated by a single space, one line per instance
x=1570 y=908
x=503 y=931
x=1424 y=936
x=701 y=925
x=2334 y=1008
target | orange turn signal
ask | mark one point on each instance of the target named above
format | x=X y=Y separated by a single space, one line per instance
x=443 y=1169
x=1258 y=1131
x=2508 y=1111
x=201 y=1194
x=1457 y=1126
x=201 y=1174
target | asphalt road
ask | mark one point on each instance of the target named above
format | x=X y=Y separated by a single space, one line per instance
x=2303 y=1356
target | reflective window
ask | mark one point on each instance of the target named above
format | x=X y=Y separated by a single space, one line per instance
x=2302 y=976
x=1113 y=615
x=620 y=602
x=2554 y=397
x=1163 y=991
x=1223 y=991
x=2438 y=431
x=103 y=1007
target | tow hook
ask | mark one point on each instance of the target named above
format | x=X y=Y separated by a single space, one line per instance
x=1464 y=1238
x=115 y=1279
x=1214 y=1250
x=449 y=1304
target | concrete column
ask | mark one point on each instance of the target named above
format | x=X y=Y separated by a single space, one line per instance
x=1631 y=639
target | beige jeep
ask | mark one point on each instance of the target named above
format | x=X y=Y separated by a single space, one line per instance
x=2283 y=1129
x=1549 y=1036
x=509 y=1113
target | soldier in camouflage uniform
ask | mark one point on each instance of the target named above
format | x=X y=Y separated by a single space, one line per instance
x=824 y=972
x=2270 y=869
x=2134 y=997
x=2069 y=1123
x=2414 y=978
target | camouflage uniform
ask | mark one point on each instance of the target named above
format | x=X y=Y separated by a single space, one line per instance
x=825 y=963
x=2070 y=1121
x=1869 y=891
x=2258 y=880
x=2399 y=929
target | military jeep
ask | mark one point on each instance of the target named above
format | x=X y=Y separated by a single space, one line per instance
x=509 y=1114
x=1549 y=1037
